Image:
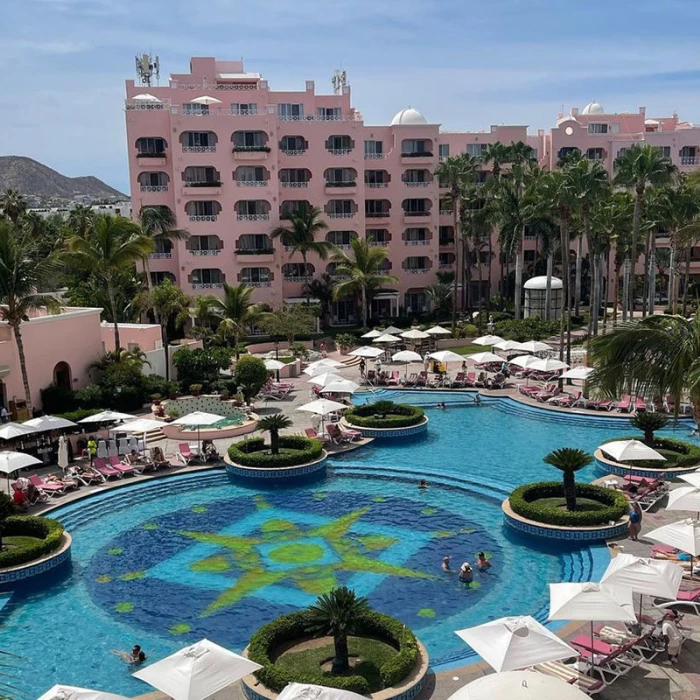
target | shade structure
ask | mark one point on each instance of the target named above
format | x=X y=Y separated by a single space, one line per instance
x=196 y=672
x=480 y=358
x=518 y=685
x=507 y=345
x=326 y=362
x=305 y=691
x=445 y=356
x=487 y=340
x=387 y=338
x=511 y=643
x=548 y=364
x=274 y=365
x=590 y=601
x=45 y=423
x=140 y=425
x=645 y=576
x=71 y=692
x=341 y=386
x=406 y=356
x=366 y=351
x=631 y=451
x=11 y=431
x=415 y=334
x=683 y=535
x=145 y=97
x=315 y=370
x=372 y=334
x=322 y=407
x=12 y=461
x=325 y=378
x=692 y=478
x=393 y=330
x=106 y=417
x=577 y=373
x=684 y=498
x=438 y=330
x=534 y=346
x=524 y=361
x=198 y=419
x=205 y=100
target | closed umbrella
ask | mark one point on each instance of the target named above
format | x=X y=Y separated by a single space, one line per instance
x=325 y=378
x=534 y=346
x=305 y=691
x=487 y=340
x=106 y=417
x=631 y=451
x=322 y=407
x=438 y=330
x=511 y=643
x=548 y=364
x=372 y=334
x=415 y=334
x=366 y=351
x=62 y=457
x=340 y=386
x=480 y=358
x=518 y=685
x=196 y=672
x=406 y=356
x=12 y=461
x=12 y=431
x=198 y=419
x=45 y=423
x=71 y=692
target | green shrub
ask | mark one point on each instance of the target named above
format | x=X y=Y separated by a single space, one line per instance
x=526 y=329
x=271 y=639
x=47 y=530
x=91 y=396
x=394 y=415
x=250 y=376
x=688 y=453
x=523 y=502
x=79 y=414
x=58 y=399
x=295 y=449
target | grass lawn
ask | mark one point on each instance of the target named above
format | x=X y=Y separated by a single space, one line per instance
x=582 y=504
x=471 y=349
x=19 y=541
x=370 y=653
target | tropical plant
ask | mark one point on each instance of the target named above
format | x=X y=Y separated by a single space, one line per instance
x=201 y=365
x=439 y=296
x=301 y=237
x=80 y=220
x=236 y=312
x=22 y=271
x=649 y=422
x=337 y=614
x=322 y=289
x=111 y=245
x=569 y=460
x=273 y=424
x=289 y=321
x=364 y=267
x=250 y=375
x=12 y=204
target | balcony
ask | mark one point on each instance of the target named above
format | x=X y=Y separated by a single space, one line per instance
x=340 y=151
x=252 y=217
x=251 y=183
x=259 y=254
x=206 y=217
x=298 y=185
x=250 y=152
x=294 y=279
x=293 y=152
x=205 y=252
x=349 y=187
x=199 y=149
x=377 y=214
x=446 y=212
x=417 y=216
x=160 y=256
x=416 y=184
x=376 y=185
x=418 y=158
x=690 y=160
x=417 y=241
x=444 y=242
x=201 y=188
x=417 y=270
x=207 y=285
x=154 y=188
x=341 y=215
x=375 y=156
x=264 y=283
x=150 y=159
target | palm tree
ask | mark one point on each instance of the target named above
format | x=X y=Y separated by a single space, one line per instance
x=439 y=295
x=337 y=614
x=112 y=244
x=658 y=356
x=364 y=267
x=12 y=204
x=638 y=167
x=236 y=311
x=569 y=460
x=273 y=424
x=158 y=223
x=649 y=422
x=22 y=271
x=498 y=154
x=301 y=237
x=322 y=289
x=80 y=220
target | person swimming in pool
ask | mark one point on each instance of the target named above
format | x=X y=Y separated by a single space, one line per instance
x=482 y=563
x=446 y=564
x=135 y=656
x=466 y=573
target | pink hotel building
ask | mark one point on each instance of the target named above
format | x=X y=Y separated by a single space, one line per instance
x=229 y=156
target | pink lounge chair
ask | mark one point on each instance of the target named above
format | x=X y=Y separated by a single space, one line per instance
x=47 y=487
x=690 y=598
x=106 y=470
x=529 y=390
x=185 y=454
x=393 y=380
x=566 y=401
x=624 y=404
x=311 y=433
x=470 y=379
x=544 y=396
x=422 y=379
x=338 y=434
x=459 y=379
x=116 y=463
x=640 y=404
x=412 y=379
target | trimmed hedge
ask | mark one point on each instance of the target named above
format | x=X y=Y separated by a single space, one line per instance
x=47 y=530
x=522 y=503
x=250 y=453
x=397 y=415
x=689 y=454
x=293 y=628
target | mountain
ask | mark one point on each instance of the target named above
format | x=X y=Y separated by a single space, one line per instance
x=34 y=179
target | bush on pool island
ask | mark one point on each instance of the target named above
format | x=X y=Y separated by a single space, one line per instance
x=599 y=505
x=43 y=537
x=294 y=450
x=384 y=414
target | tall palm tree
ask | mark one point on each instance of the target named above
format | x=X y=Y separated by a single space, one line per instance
x=80 y=220
x=12 y=204
x=112 y=245
x=22 y=271
x=638 y=167
x=497 y=154
x=159 y=224
x=236 y=312
x=337 y=614
x=273 y=424
x=301 y=237
x=322 y=289
x=364 y=267
x=569 y=460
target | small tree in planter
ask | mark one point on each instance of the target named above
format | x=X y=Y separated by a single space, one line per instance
x=250 y=375
x=195 y=389
x=569 y=460
x=649 y=423
x=273 y=424
x=345 y=341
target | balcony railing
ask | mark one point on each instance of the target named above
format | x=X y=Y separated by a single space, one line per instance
x=342 y=246
x=160 y=256
x=264 y=283
x=340 y=215
x=690 y=160
x=160 y=154
x=203 y=217
x=253 y=217
x=377 y=244
x=293 y=151
x=199 y=149
x=376 y=185
x=375 y=156
x=445 y=265
x=445 y=212
x=254 y=251
x=251 y=183
x=337 y=277
x=340 y=151
x=299 y=185
x=377 y=214
x=347 y=183
x=419 y=241
x=294 y=278
x=416 y=184
x=447 y=241
x=202 y=183
x=154 y=188
x=417 y=270
x=426 y=212
x=251 y=149
x=207 y=285
x=206 y=252
x=418 y=154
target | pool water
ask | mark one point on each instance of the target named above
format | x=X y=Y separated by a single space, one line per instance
x=167 y=563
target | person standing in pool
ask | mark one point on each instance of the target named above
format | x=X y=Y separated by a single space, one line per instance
x=482 y=563
x=446 y=564
x=466 y=573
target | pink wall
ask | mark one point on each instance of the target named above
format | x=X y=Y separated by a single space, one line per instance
x=146 y=335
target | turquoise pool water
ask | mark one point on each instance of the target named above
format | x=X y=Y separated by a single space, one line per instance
x=166 y=563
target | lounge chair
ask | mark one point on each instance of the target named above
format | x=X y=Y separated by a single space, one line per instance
x=123 y=467
x=498 y=382
x=470 y=379
x=529 y=390
x=40 y=496
x=393 y=380
x=185 y=454
x=572 y=676
x=105 y=469
x=481 y=379
x=640 y=405
x=346 y=432
x=50 y=489
x=314 y=435
x=566 y=401
x=422 y=379
x=545 y=395
x=690 y=598
x=458 y=381
x=608 y=662
x=624 y=405
x=337 y=438
x=644 y=645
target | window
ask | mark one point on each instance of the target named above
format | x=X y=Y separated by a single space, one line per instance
x=204 y=243
x=153 y=179
x=340 y=176
x=202 y=209
x=255 y=275
x=415 y=206
x=615 y=128
x=376 y=177
x=665 y=151
x=415 y=302
x=621 y=152
x=529 y=256
x=292 y=143
x=195 y=109
x=295 y=175
x=252 y=207
x=254 y=241
x=244 y=108
x=250 y=173
x=151 y=146
x=444 y=151
x=415 y=147
x=206 y=276
x=446 y=259
x=416 y=176
x=329 y=113
x=199 y=139
x=377 y=236
x=374 y=148
x=296 y=271
x=415 y=235
x=597 y=128
x=293 y=207
x=162 y=247
x=248 y=139
x=446 y=235
x=201 y=174
x=343 y=311
x=376 y=207
x=160 y=276
x=415 y=263
x=476 y=150
x=340 y=206
x=339 y=143
x=595 y=154
x=290 y=112
x=340 y=237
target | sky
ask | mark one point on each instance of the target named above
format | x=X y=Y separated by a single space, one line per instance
x=465 y=64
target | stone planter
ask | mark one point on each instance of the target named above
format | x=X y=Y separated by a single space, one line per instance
x=605 y=465
x=385 y=433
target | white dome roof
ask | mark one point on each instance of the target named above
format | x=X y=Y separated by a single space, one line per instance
x=593 y=108
x=408 y=117
x=541 y=283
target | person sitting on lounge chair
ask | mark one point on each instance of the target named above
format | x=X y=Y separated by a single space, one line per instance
x=209 y=451
x=159 y=458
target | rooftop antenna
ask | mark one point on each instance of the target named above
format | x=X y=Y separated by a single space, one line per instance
x=339 y=81
x=147 y=67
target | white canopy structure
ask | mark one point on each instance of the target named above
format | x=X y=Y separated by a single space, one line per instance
x=393 y=330
x=11 y=431
x=445 y=356
x=415 y=334
x=340 y=386
x=45 y=423
x=196 y=672
x=366 y=351
x=534 y=346
x=590 y=601
x=438 y=330
x=387 y=338
x=106 y=417
x=71 y=692
x=512 y=643
x=480 y=358
x=683 y=535
x=372 y=334
x=487 y=340
x=548 y=364
x=518 y=685
x=145 y=97
x=304 y=691
x=631 y=451
x=507 y=345
x=524 y=361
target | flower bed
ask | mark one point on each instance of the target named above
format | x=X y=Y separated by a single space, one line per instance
x=48 y=531
x=271 y=639
x=294 y=450
x=384 y=414
x=679 y=454
x=523 y=501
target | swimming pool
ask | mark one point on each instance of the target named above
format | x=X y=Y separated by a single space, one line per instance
x=166 y=563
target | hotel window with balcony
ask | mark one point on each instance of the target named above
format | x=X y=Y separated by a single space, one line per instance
x=159 y=276
x=597 y=128
x=153 y=182
x=295 y=177
x=203 y=211
x=288 y=111
x=339 y=145
x=206 y=278
x=595 y=154
x=416 y=264
x=443 y=151
x=374 y=150
x=416 y=147
x=385 y=266
x=689 y=155
x=249 y=141
x=416 y=236
x=446 y=235
x=332 y=270
x=415 y=302
x=343 y=312
x=162 y=249
x=340 y=177
x=329 y=114
x=198 y=142
x=254 y=243
x=476 y=150
x=244 y=108
x=377 y=178
x=340 y=208
x=342 y=239
x=204 y=245
x=195 y=109
x=377 y=236
x=151 y=147
x=201 y=176
x=251 y=176
x=252 y=210
x=416 y=207
x=296 y=272
x=446 y=260
x=417 y=177
x=377 y=208
x=293 y=145
x=445 y=207
x=295 y=207
x=256 y=276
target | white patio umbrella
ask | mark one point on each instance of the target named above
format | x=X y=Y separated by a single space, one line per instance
x=507 y=345
x=577 y=373
x=145 y=97
x=325 y=362
x=518 y=685
x=45 y=423
x=548 y=364
x=415 y=334
x=205 y=100
x=631 y=451
x=393 y=330
x=196 y=672
x=524 y=361
x=387 y=338
x=406 y=356
x=487 y=340
x=106 y=417
x=11 y=431
x=366 y=351
x=372 y=334
x=444 y=356
x=479 y=358
x=438 y=330
x=684 y=498
x=274 y=365
x=692 y=478
x=322 y=407
x=305 y=691
x=198 y=419
x=534 y=346
x=140 y=425
x=71 y=692
x=12 y=461
x=325 y=378
x=511 y=643
x=340 y=386
x=683 y=535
